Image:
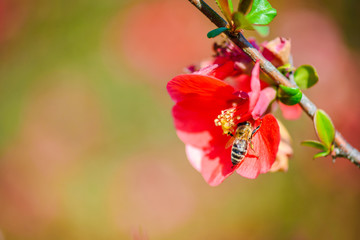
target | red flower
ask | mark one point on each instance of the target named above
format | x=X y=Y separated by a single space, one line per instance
x=230 y=62
x=207 y=110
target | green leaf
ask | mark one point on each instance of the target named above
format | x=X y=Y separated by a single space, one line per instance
x=285 y=68
x=225 y=8
x=321 y=154
x=231 y=8
x=324 y=128
x=216 y=32
x=314 y=144
x=306 y=76
x=292 y=91
x=262 y=30
x=289 y=95
x=241 y=22
x=261 y=12
x=244 y=6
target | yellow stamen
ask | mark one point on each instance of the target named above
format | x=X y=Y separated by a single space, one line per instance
x=226 y=120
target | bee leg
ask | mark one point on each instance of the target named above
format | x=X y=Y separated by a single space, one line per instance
x=251 y=145
x=251 y=136
x=255 y=130
x=230 y=134
x=252 y=148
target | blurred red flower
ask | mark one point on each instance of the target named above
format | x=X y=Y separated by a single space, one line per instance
x=202 y=99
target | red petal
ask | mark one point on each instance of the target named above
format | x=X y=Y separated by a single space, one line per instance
x=195 y=156
x=200 y=100
x=183 y=86
x=241 y=83
x=216 y=165
x=266 y=142
x=290 y=112
x=194 y=121
x=197 y=139
x=265 y=98
x=224 y=70
x=255 y=86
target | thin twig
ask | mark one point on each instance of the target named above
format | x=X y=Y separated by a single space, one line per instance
x=342 y=147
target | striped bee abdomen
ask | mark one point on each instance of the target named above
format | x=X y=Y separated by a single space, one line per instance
x=238 y=151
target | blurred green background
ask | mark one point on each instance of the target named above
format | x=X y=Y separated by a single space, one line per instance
x=87 y=145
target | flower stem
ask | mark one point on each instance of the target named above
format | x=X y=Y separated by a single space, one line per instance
x=342 y=147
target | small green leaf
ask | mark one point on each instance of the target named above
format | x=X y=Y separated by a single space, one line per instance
x=225 y=9
x=306 y=76
x=285 y=66
x=262 y=30
x=289 y=95
x=241 y=22
x=261 y=12
x=321 y=154
x=284 y=69
x=324 y=128
x=314 y=144
x=231 y=8
x=292 y=91
x=244 y=6
x=318 y=145
x=216 y=32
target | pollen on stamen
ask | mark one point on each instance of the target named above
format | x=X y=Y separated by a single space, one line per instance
x=226 y=120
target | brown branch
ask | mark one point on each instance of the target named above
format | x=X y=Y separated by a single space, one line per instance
x=342 y=147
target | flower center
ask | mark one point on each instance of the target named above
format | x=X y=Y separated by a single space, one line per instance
x=227 y=120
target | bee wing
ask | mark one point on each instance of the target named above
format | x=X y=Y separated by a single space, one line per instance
x=230 y=142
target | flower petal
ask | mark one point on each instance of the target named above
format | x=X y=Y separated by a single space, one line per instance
x=194 y=120
x=216 y=165
x=266 y=96
x=277 y=51
x=241 y=83
x=225 y=68
x=284 y=152
x=290 y=112
x=255 y=86
x=200 y=100
x=281 y=163
x=197 y=139
x=266 y=142
x=195 y=156
x=194 y=85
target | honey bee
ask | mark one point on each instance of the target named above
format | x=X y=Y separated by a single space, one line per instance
x=240 y=141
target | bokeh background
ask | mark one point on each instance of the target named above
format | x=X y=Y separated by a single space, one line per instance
x=87 y=145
